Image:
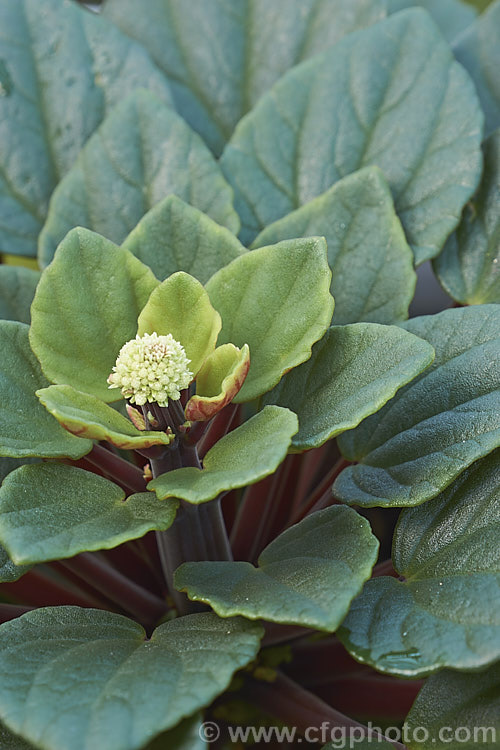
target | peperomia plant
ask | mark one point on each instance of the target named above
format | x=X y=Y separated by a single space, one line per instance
x=241 y=490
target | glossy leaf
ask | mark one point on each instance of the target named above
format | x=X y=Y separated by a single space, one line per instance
x=26 y=428
x=478 y=51
x=106 y=684
x=62 y=69
x=17 y=289
x=452 y=16
x=181 y=306
x=141 y=153
x=360 y=104
x=52 y=511
x=275 y=299
x=219 y=380
x=353 y=371
x=307 y=576
x=9 y=572
x=174 y=236
x=86 y=416
x=85 y=308
x=436 y=426
x=446 y=611
x=465 y=705
x=372 y=265
x=469 y=266
x=260 y=39
x=244 y=456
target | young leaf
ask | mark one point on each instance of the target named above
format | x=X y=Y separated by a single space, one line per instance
x=447 y=611
x=244 y=456
x=174 y=236
x=469 y=266
x=372 y=265
x=181 y=306
x=308 y=576
x=141 y=153
x=461 y=709
x=353 y=371
x=85 y=308
x=86 y=416
x=452 y=16
x=62 y=69
x=478 y=51
x=54 y=511
x=275 y=299
x=437 y=425
x=26 y=428
x=260 y=39
x=108 y=686
x=17 y=289
x=360 y=103
x=219 y=380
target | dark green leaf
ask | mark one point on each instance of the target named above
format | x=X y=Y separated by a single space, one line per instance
x=469 y=266
x=452 y=16
x=308 y=576
x=61 y=70
x=360 y=104
x=174 y=236
x=275 y=299
x=372 y=265
x=436 y=426
x=52 y=511
x=260 y=41
x=244 y=456
x=85 y=308
x=9 y=572
x=460 y=712
x=141 y=153
x=105 y=685
x=185 y=736
x=26 y=428
x=353 y=371
x=446 y=613
x=479 y=52
x=17 y=289
x=9 y=741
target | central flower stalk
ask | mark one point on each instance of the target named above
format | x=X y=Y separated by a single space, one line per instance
x=151 y=369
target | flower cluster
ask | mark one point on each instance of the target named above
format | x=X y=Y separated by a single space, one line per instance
x=151 y=368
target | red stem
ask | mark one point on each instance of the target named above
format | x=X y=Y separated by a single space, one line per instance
x=372 y=695
x=290 y=703
x=221 y=424
x=384 y=568
x=11 y=611
x=310 y=463
x=117 y=468
x=252 y=506
x=37 y=590
x=139 y=602
x=320 y=496
x=318 y=662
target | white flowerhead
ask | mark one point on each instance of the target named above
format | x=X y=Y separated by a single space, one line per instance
x=151 y=368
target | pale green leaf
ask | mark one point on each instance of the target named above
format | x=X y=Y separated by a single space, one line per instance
x=275 y=299
x=141 y=153
x=469 y=266
x=61 y=70
x=86 y=416
x=52 y=511
x=85 y=308
x=181 y=306
x=107 y=686
x=219 y=380
x=220 y=56
x=452 y=16
x=436 y=426
x=244 y=456
x=353 y=371
x=446 y=610
x=26 y=428
x=360 y=104
x=372 y=265
x=308 y=576
x=174 y=236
